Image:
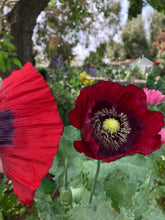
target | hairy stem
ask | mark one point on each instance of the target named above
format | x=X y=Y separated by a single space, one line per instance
x=95 y=181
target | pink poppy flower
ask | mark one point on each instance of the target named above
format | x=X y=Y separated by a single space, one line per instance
x=162 y=133
x=153 y=96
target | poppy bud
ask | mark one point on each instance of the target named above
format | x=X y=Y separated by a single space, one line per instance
x=66 y=197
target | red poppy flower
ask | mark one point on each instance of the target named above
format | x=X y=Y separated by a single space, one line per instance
x=114 y=121
x=30 y=130
x=156 y=63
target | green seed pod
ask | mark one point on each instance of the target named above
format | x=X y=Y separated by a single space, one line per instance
x=66 y=197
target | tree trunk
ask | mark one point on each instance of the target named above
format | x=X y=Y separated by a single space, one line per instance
x=22 y=20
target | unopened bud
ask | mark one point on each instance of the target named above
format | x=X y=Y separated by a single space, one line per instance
x=66 y=197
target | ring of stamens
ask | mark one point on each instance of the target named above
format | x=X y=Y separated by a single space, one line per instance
x=110 y=129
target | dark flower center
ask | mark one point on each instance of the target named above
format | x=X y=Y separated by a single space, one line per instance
x=6 y=128
x=110 y=129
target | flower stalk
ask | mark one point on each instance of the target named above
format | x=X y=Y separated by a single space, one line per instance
x=95 y=181
x=65 y=173
x=66 y=193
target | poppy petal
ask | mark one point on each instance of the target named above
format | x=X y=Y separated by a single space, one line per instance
x=81 y=148
x=93 y=94
x=37 y=130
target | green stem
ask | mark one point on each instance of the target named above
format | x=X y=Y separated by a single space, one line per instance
x=65 y=173
x=95 y=181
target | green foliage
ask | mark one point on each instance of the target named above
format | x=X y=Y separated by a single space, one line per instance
x=126 y=189
x=135 y=8
x=127 y=185
x=159 y=5
x=48 y=185
x=157 y=25
x=47 y=210
x=96 y=57
x=10 y=207
x=157 y=29
x=156 y=4
x=98 y=210
x=43 y=71
x=66 y=150
x=115 y=51
x=65 y=99
x=123 y=189
x=136 y=72
x=7 y=53
x=154 y=81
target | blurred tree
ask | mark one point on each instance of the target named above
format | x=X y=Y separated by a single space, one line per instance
x=134 y=38
x=95 y=58
x=65 y=21
x=135 y=8
x=156 y=4
x=157 y=26
x=157 y=37
x=115 y=51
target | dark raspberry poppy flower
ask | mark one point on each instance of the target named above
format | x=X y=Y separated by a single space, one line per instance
x=114 y=122
x=30 y=130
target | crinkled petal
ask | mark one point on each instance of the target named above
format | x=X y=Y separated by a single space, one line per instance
x=38 y=129
x=82 y=148
x=132 y=88
x=102 y=90
x=153 y=121
x=148 y=146
x=132 y=103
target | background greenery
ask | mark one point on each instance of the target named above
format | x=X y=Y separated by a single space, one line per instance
x=131 y=188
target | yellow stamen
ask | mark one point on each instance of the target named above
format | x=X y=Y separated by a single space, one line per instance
x=111 y=125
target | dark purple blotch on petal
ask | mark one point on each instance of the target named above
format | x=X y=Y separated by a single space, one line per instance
x=6 y=128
